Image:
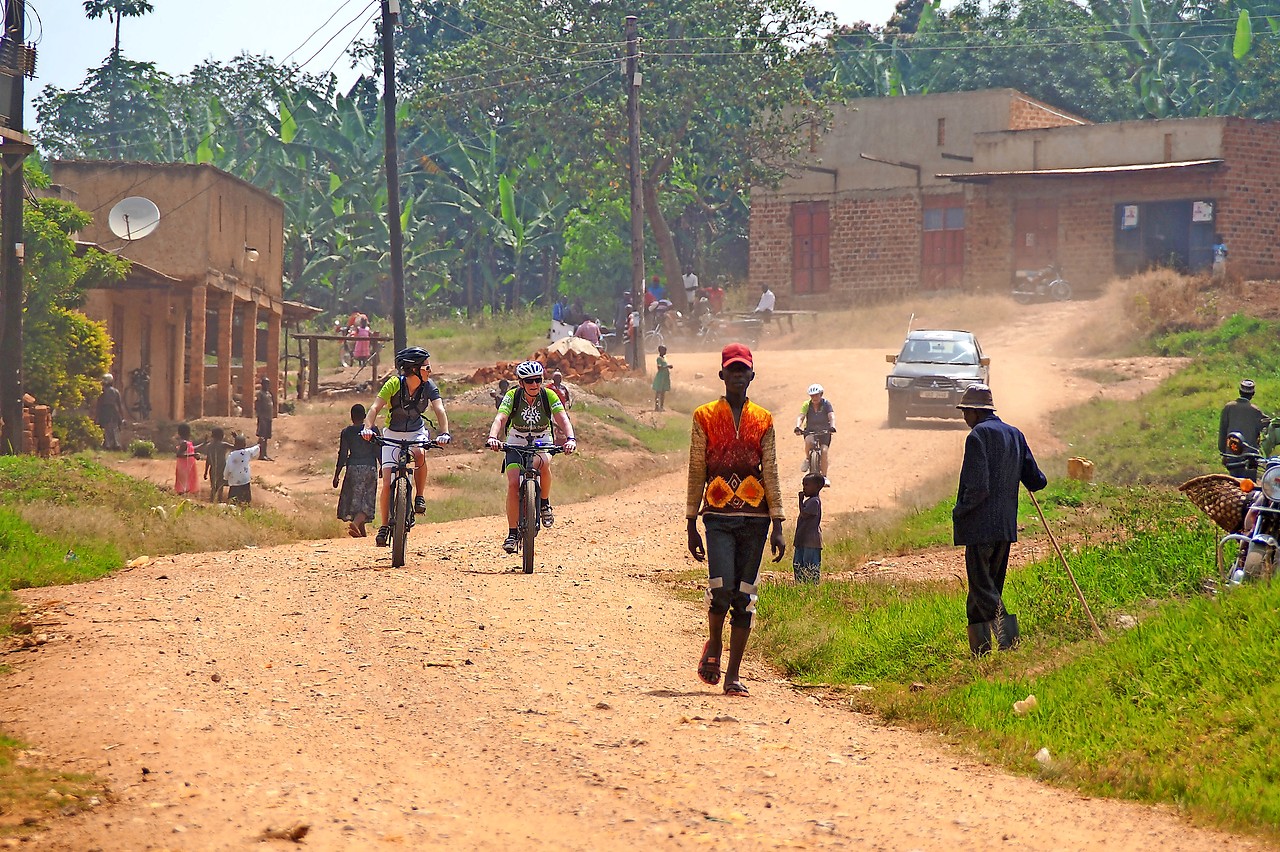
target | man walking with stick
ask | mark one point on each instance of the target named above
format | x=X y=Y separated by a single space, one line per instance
x=985 y=519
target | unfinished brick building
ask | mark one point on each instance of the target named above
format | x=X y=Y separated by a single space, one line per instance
x=203 y=305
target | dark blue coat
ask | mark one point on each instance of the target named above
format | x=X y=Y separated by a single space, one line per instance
x=996 y=459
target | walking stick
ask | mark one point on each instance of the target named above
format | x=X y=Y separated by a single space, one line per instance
x=1070 y=576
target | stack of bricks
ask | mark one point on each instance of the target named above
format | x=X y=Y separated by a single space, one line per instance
x=38 y=425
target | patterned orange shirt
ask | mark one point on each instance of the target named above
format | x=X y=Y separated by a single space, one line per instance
x=733 y=466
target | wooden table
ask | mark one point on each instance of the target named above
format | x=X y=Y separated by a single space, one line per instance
x=789 y=316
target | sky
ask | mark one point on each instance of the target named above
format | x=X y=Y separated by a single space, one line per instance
x=180 y=34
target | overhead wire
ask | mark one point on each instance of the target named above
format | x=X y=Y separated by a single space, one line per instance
x=316 y=31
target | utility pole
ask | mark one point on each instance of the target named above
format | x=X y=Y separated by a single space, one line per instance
x=635 y=350
x=390 y=12
x=16 y=60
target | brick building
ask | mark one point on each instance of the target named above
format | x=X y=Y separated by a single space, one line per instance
x=867 y=217
x=203 y=305
x=966 y=189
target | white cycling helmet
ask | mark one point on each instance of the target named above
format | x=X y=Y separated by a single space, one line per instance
x=815 y=388
x=529 y=370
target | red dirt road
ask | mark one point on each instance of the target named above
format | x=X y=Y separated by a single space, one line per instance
x=456 y=704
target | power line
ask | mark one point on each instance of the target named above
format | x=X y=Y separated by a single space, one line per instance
x=314 y=32
x=329 y=41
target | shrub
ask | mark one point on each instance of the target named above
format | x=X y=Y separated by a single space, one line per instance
x=142 y=449
x=76 y=431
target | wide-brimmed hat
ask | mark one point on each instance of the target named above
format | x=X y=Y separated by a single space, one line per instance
x=978 y=398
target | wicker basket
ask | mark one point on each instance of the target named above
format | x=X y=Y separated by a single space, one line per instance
x=1219 y=496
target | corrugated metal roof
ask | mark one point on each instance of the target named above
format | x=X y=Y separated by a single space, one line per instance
x=983 y=177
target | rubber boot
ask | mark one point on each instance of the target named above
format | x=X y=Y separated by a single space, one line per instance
x=980 y=638
x=1006 y=629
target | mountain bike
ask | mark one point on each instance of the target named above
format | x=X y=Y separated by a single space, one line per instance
x=402 y=516
x=137 y=396
x=817 y=451
x=530 y=496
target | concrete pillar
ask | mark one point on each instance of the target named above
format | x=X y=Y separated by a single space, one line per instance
x=272 y=356
x=161 y=359
x=196 y=304
x=249 y=355
x=226 y=316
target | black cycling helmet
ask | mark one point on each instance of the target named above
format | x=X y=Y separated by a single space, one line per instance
x=414 y=356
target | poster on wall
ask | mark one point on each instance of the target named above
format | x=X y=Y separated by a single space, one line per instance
x=1129 y=217
x=1202 y=211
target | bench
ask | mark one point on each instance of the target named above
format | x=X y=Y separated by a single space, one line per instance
x=789 y=316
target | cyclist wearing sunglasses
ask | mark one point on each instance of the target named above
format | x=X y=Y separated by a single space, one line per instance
x=527 y=413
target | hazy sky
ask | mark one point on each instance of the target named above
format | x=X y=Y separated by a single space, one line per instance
x=181 y=33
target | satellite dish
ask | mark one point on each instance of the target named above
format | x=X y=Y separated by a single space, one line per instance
x=133 y=218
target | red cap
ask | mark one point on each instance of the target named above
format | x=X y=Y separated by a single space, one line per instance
x=736 y=353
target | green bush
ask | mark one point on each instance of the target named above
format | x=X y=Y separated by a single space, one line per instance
x=76 y=431
x=142 y=449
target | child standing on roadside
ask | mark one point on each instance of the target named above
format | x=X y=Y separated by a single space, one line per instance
x=237 y=471
x=358 y=499
x=215 y=463
x=806 y=561
x=661 y=380
x=185 y=480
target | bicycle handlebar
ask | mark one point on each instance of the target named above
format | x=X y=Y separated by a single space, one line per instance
x=807 y=432
x=531 y=449
x=428 y=444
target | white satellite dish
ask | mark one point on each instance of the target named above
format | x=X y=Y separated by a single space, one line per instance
x=133 y=218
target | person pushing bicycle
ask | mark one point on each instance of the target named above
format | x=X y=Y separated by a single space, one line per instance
x=406 y=396
x=527 y=413
x=818 y=419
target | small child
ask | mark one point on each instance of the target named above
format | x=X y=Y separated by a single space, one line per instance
x=215 y=463
x=503 y=386
x=807 y=549
x=360 y=486
x=237 y=470
x=185 y=480
x=661 y=380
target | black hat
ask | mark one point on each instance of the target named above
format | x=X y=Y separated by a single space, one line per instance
x=978 y=398
x=1247 y=387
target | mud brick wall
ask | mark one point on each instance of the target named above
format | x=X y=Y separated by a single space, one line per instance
x=1248 y=212
x=1026 y=114
x=874 y=250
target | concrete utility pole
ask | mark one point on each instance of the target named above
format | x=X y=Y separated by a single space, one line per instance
x=390 y=12
x=15 y=61
x=635 y=350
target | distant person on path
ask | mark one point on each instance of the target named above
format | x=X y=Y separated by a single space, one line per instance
x=561 y=389
x=985 y=517
x=661 y=380
x=359 y=496
x=733 y=485
x=264 y=408
x=363 y=346
x=764 y=308
x=816 y=415
x=503 y=386
x=1241 y=415
x=690 y=280
x=806 y=552
x=215 y=462
x=1219 y=256
x=589 y=330
x=185 y=480
x=238 y=473
x=110 y=413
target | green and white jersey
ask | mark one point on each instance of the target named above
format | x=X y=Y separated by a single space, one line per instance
x=530 y=419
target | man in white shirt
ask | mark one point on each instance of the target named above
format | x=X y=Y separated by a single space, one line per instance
x=690 y=279
x=764 y=309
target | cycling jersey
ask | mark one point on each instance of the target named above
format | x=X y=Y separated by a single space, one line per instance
x=530 y=419
x=817 y=418
x=404 y=409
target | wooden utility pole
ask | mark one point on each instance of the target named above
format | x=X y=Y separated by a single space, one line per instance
x=390 y=12
x=635 y=350
x=14 y=147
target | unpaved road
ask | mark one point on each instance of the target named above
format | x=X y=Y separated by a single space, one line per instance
x=456 y=704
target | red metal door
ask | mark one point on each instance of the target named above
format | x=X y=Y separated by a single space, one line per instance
x=1035 y=234
x=810 y=247
x=942 y=242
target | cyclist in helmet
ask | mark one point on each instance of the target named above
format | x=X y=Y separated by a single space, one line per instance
x=816 y=415
x=527 y=412
x=406 y=396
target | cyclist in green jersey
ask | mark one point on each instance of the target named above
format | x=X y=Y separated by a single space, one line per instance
x=406 y=396
x=527 y=412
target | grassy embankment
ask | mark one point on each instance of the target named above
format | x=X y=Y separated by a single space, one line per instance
x=1179 y=709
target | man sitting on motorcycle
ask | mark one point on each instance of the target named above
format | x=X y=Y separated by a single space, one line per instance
x=816 y=415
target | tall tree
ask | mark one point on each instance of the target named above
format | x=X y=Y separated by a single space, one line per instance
x=116 y=11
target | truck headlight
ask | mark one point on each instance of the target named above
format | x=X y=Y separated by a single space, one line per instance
x=899 y=382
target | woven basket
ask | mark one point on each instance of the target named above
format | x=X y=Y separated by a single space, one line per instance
x=1219 y=496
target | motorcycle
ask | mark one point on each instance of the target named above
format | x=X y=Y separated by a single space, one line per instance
x=1040 y=285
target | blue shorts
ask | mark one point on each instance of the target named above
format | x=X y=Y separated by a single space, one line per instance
x=806 y=564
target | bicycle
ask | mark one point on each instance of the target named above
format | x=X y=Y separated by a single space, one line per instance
x=530 y=496
x=402 y=516
x=137 y=396
x=817 y=451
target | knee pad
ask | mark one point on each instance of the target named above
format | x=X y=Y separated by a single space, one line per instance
x=744 y=605
x=719 y=598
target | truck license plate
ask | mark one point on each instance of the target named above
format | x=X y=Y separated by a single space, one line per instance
x=934 y=394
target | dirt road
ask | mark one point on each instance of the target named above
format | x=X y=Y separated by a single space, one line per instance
x=457 y=704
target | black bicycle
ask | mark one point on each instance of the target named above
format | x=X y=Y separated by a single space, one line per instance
x=817 y=451
x=402 y=516
x=530 y=496
x=137 y=396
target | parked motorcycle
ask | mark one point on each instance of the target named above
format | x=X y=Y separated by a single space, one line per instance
x=1040 y=285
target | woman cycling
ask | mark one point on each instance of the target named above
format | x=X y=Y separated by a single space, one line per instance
x=406 y=396
x=527 y=412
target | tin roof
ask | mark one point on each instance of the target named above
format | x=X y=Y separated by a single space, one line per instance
x=985 y=177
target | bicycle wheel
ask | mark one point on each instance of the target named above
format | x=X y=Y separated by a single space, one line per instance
x=815 y=461
x=133 y=403
x=652 y=340
x=399 y=519
x=529 y=508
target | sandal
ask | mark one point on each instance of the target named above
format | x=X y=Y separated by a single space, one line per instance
x=737 y=689
x=709 y=667
x=352 y=530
